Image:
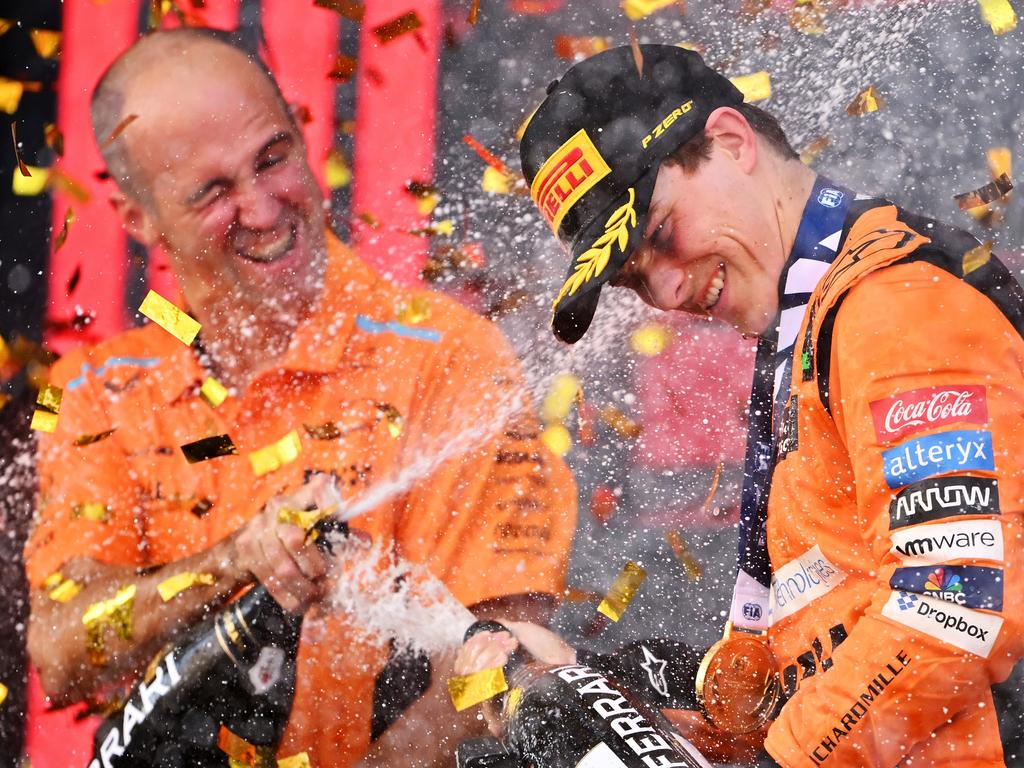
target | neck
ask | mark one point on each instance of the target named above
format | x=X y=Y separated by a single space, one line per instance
x=240 y=344
x=794 y=182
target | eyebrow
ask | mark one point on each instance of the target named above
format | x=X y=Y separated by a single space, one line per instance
x=277 y=138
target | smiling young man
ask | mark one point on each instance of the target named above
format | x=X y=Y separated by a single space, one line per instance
x=881 y=515
x=312 y=346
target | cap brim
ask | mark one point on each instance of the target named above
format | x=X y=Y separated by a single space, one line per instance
x=575 y=311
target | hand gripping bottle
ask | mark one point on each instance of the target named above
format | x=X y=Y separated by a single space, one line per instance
x=225 y=687
x=579 y=716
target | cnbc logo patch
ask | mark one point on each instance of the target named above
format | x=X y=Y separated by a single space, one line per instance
x=945 y=585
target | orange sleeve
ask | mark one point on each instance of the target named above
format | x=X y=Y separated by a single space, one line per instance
x=497 y=516
x=945 y=619
x=71 y=477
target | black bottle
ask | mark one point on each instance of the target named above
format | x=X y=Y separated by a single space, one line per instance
x=580 y=716
x=236 y=671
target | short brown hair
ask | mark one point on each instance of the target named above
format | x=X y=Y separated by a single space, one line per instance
x=691 y=154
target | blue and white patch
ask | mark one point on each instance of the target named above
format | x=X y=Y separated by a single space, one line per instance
x=931 y=455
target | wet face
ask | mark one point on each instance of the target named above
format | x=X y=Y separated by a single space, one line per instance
x=712 y=244
x=231 y=196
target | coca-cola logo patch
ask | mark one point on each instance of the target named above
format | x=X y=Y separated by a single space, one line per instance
x=927 y=408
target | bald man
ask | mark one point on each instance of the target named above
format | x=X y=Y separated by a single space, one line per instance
x=309 y=342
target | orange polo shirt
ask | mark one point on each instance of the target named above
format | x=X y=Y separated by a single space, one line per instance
x=491 y=521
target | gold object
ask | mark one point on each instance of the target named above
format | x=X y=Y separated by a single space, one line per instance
x=738 y=684
x=626 y=585
x=213 y=392
x=866 y=101
x=90 y=439
x=169 y=317
x=116 y=613
x=999 y=15
x=179 y=582
x=209 y=448
x=754 y=87
x=977 y=257
x=276 y=455
x=91 y=510
x=468 y=690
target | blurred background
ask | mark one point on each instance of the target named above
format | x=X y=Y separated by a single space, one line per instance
x=411 y=110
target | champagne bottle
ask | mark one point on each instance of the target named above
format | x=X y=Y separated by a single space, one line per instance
x=576 y=716
x=232 y=676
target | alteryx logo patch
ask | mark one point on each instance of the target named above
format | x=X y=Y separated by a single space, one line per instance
x=941 y=542
x=967 y=585
x=932 y=455
x=800 y=582
x=944 y=497
x=961 y=627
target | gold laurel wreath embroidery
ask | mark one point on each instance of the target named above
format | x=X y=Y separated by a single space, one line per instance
x=591 y=262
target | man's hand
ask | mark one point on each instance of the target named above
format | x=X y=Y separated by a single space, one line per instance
x=486 y=650
x=717 y=746
x=280 y=555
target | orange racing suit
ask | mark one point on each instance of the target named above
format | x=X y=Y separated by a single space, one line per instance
x=894 y=518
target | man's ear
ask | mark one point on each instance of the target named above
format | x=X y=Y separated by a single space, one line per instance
x=731 y=131
x=135 y=219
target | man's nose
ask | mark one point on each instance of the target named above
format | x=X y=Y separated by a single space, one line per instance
x=257 y=208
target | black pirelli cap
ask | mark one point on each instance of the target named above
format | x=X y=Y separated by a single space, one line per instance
x=591 y=154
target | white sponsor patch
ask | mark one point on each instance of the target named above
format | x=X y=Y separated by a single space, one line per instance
x=801 y=582
x=941 y=542
x=967 y=629
x=267 y=669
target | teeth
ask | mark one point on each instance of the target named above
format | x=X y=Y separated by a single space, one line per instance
x=714 y=290
x=271 y=250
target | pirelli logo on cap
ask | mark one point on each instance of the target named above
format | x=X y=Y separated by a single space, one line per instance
x=566 y=176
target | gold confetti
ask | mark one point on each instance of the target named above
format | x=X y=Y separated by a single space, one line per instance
x=54 y=138
x=571 y=47
x=179 y=582
x=393 y=418
x=62 y=236
x=557 y=438
x=445 y=227
x=521 y=130
x=415 y=312
x=999 y=15
x=91 y=510
x=209 y=448
x=469 y=690
x=61 y=182
x=349 y=9
x=303 y=518
x=213 y=392
x=865 y=102
x=329 y=430
x=564 y=391
x=337 y=172
x=43 y=421
x=622 y=592
x=811 y=152
x=496 y=182
x=64 y=590
x=5 y=25
x=1000 y=161
x=400 y=25
x=808 y=17
x=638 y=55
x=683 y=554
x=300 y=760
x=986 y=194
x=650 y=340
x=274 y=456
x=3 y=693
x=977 y=257
x=474 y=12
x=90 y=439
x=118 y=130
x=242 y=754
x=46 y=42
x=426 y=195
x=50 y=398
x=620 y=422
x=343 y=69
x=17 y=154
x=754 y=87
x=114 y=613
x=11 y=92
x=44 y=418
x=32 y=184
x=169 y=317
x=640 y=9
